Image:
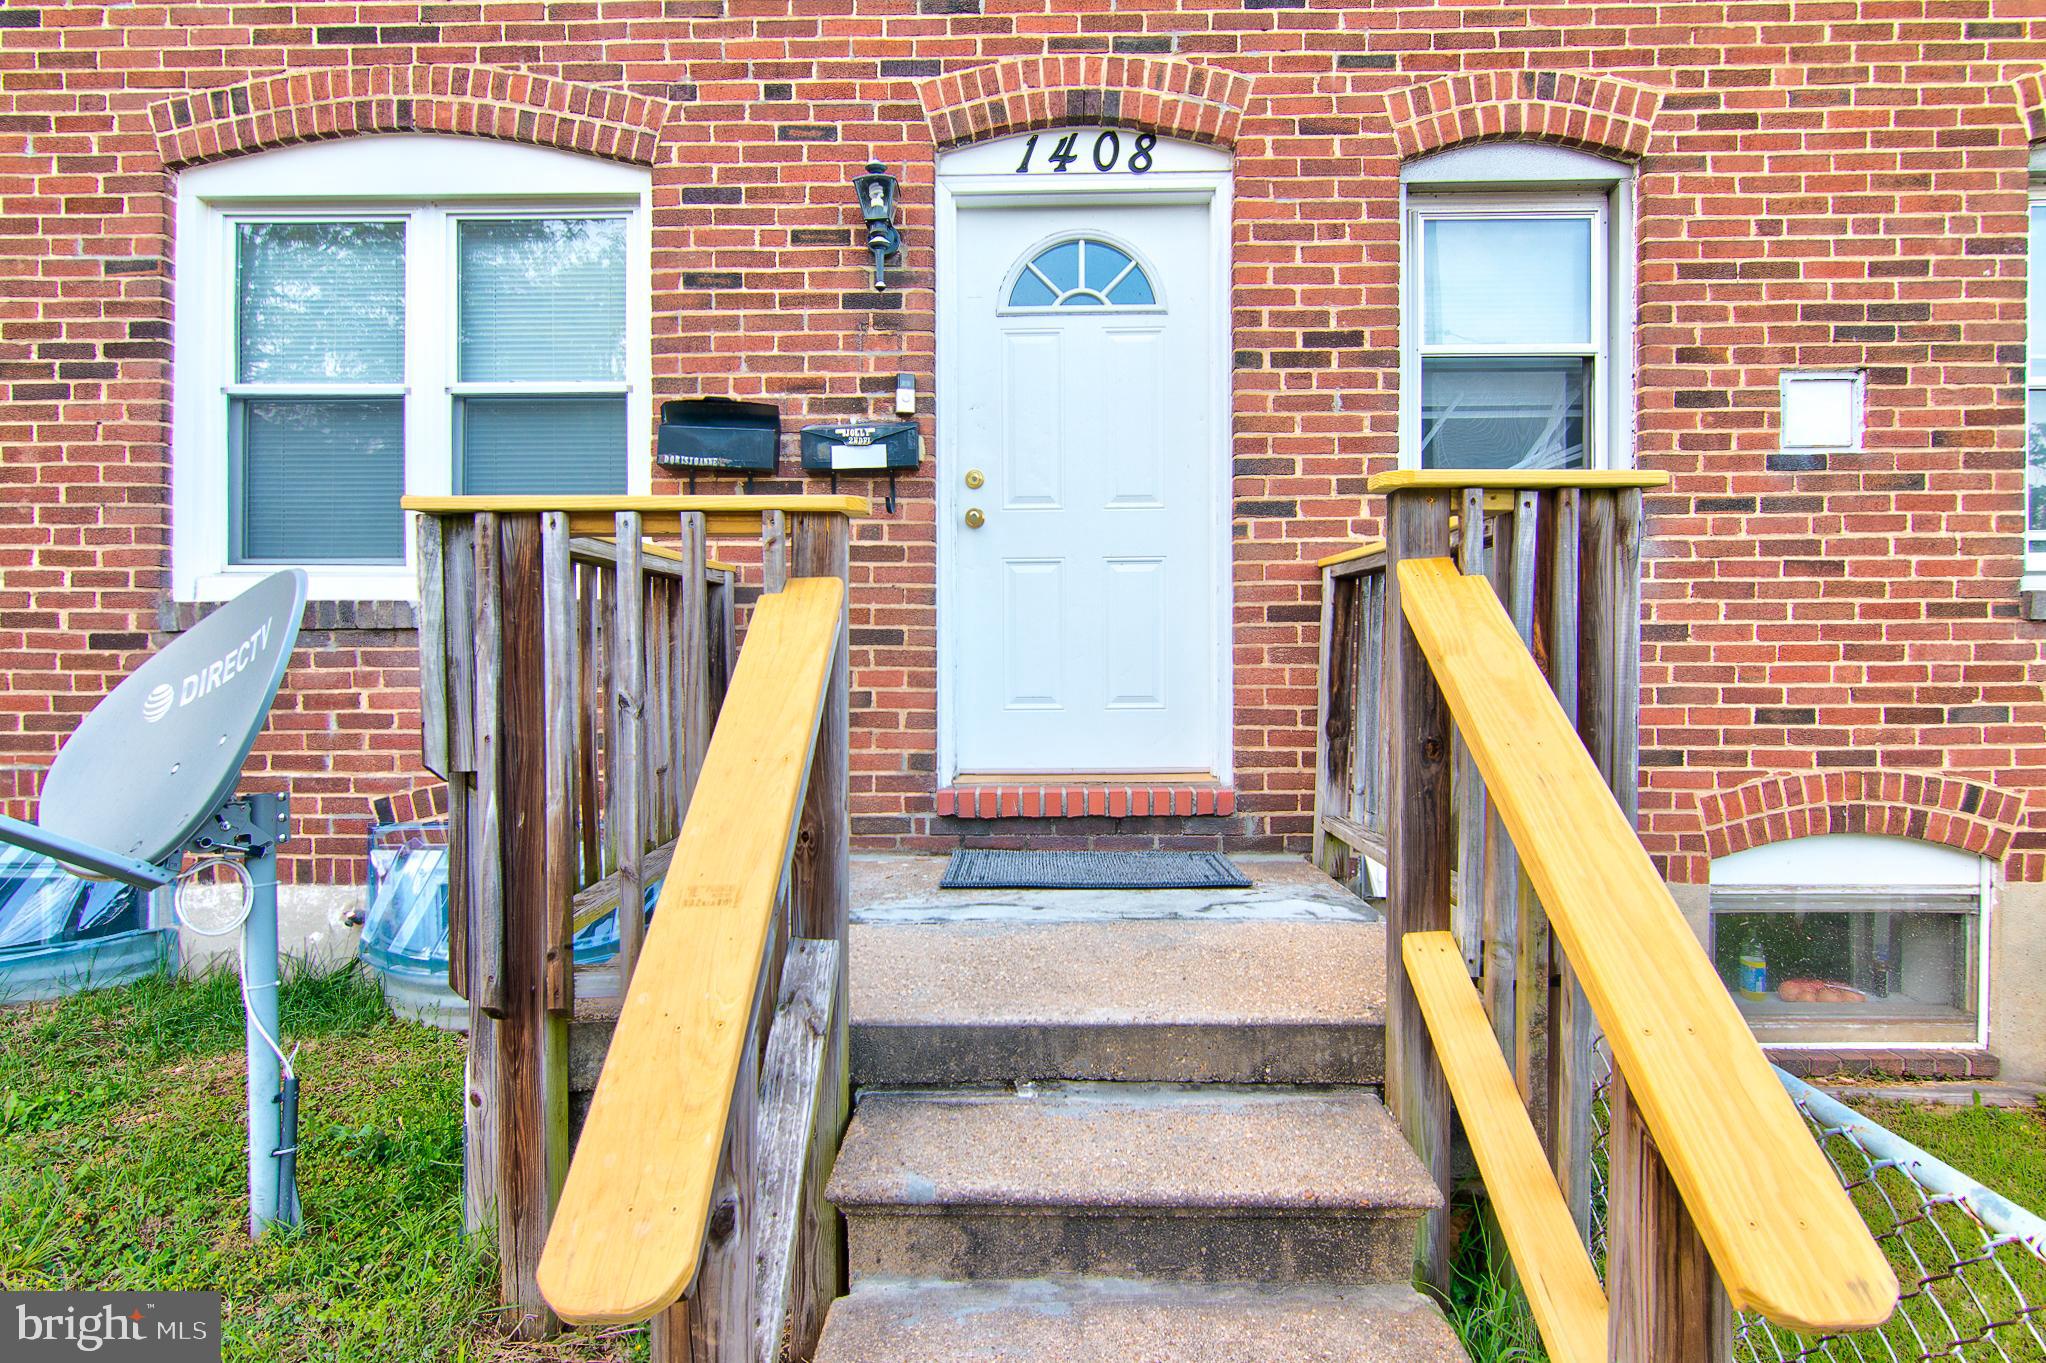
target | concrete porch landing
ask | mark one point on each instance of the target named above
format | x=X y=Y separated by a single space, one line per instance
x=904 y=889
x=1283 y=981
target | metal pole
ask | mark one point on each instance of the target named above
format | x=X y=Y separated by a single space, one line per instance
x=271 y=1197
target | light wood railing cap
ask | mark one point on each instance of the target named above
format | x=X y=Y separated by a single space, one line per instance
x=1536 y=480
x=644 y=504
x=1785 y=1237
x=1361 y=549
x=630 y=1228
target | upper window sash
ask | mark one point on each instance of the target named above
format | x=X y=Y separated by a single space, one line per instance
x=229 y=338
x=1424 y=209
x=451 y=279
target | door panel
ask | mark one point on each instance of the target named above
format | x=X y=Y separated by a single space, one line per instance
x=1135 y=611
x=1134 y=421
x=1033 y=649
x=1083 y=624
x=1033 y=391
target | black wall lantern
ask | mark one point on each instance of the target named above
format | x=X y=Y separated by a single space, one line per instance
x=876 y=192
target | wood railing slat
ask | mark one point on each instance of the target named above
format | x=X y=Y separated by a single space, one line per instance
x=799 y=1084
x=1783 y=1235
x=627 y=757
x=486 y=869
x=561 y=706
x=1550 y=1260
x=631 y=1225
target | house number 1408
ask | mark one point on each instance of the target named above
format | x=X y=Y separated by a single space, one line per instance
x=1106 y=153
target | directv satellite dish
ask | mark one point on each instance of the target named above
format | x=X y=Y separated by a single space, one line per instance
x=164 y=749
x=150 y=775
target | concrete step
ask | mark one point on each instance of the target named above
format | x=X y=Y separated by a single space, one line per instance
x=1197 y=1184
x=1111 y=1321
x=1173 y=1000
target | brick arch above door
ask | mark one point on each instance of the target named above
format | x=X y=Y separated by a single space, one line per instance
x=309 y=106
x=1171 y=98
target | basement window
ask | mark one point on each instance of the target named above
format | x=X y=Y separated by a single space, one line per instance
x=1849 y=939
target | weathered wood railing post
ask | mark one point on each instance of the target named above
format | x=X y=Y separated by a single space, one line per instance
x=569 y=686
x=820 y=906
x=1418 y=866
x=515 y=853
x=1667 y=1302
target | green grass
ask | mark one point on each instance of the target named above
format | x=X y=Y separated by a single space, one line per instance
x=1485 y=1305
x=2002 y=1148
x=122 y=1166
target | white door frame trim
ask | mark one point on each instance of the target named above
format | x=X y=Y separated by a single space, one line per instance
x=1209 y=188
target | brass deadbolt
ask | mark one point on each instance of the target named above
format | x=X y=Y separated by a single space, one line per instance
x=975 y=478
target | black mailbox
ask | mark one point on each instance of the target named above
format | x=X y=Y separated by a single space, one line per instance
x=862 y=447
x=719 y=433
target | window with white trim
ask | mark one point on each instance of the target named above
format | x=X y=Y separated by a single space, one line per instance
x=1512 y=301
x=2035 y=382
x=1848 y=939
x=364 y=319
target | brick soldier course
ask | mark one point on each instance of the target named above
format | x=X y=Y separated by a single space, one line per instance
x=1836 y=186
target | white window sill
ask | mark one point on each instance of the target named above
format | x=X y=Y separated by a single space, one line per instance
x=2032 y=595
x=367 y=584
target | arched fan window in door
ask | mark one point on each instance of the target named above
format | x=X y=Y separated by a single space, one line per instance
x=1082 y=272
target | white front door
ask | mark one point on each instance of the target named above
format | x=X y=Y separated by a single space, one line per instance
x=1084 y=621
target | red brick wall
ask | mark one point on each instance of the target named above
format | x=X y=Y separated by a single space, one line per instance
x=1837 y=185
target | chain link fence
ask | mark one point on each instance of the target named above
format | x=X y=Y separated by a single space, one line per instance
x=1972 y=1264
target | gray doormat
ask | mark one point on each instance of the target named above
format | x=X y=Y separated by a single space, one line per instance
x=1092 y=871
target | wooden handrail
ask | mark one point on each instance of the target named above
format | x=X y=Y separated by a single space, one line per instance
x=596 y=514
x=1562 y=1289
x=1784 y=1237
x=631 y=1225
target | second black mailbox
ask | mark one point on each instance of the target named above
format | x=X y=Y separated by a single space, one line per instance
x=862 y=447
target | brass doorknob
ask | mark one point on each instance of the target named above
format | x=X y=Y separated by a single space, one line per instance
x=975 y=478
x=974 y=519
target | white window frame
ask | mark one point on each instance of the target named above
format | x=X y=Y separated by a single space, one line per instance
x=1835 y=866
x=1523 y=179
x=433 y=182
x=2035 y=382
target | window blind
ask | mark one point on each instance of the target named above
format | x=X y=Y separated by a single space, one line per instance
x=319 y=480
x=320 y=302
x=540 y=444
x=1506 y=281
x=541 y=300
